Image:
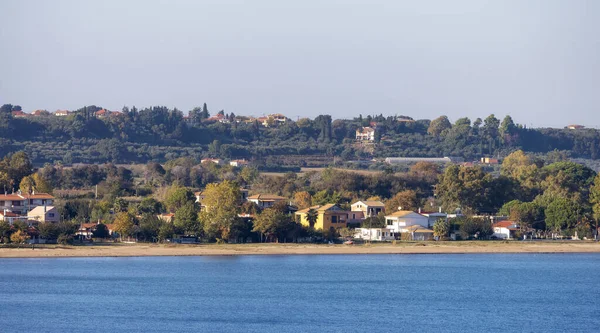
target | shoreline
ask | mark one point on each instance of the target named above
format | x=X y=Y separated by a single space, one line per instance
x=160 y=250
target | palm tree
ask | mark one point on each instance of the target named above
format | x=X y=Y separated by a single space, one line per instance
x=311 y=217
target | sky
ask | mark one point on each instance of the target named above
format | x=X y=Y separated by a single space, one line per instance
x=535 y=60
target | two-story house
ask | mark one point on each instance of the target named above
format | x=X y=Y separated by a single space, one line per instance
x=266 y=200
x=365 y=134
x=21 y=204
x=401 y=220
x=369 y=208
x=328 y=216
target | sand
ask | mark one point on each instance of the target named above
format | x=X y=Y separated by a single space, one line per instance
x=135 y=250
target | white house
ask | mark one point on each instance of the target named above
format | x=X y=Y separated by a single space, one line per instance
x=432 y=217
x=401 y=220
x=365 y=134
x=505 y=229
x=43 y=214
x=368 y=208
x=238 y=163
x=419 y=233
x=11 y=217
x=211 y=160
x=265 y=200
x=375 y=234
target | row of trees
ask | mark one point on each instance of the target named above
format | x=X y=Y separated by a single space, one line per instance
x=142 y=135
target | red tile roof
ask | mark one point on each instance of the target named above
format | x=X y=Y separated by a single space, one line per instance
x=505 y=224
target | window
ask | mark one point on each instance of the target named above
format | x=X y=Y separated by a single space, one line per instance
x=334 y=219
x=50 y=214
x=389 y=222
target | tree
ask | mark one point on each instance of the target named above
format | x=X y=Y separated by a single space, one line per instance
x=41 y=184
x=166 y=231
x=177 y=197
x=561 y=213
x=124 y=224
x=311 y=216
x=204 y=114
x=302 y=199
x=441 y=228
x=374 y=221
x=439 y=125
x=120 y=205
x=272 y=223
x=100 y=231
x=475 y=228
x=466 y=188
x=406 y=199
x=48 y=230
x=525 y=171
x=4 y=231
x=595 y=200
x=19 y=237
x=150 y=206
x=27 y=185
x=186 y=219
x=222 y=207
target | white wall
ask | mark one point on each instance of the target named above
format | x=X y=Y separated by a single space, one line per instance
x=502 y=233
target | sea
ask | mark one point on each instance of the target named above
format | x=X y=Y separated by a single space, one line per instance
x=303 y=293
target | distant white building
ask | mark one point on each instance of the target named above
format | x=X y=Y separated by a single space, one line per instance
x=238 y=163
x=211 y=160
x=401 y=220
x=374 y=234
x=432 y=217
x=365 y=134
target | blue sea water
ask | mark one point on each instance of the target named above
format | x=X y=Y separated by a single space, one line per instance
x=341 y=293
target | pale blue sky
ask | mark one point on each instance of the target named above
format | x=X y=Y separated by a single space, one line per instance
x=537 y=60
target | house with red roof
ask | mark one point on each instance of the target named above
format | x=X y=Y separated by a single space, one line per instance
x=505 y=229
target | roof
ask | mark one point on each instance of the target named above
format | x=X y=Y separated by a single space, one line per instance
x=505 y=224
x=39 y=196
x=371 y=203
x=8 y=214
x=13 y=197
x=365 y=130
x=266 y=197
x=418 y=228
x=319 y=208
x=39 y=210
x=401 y=213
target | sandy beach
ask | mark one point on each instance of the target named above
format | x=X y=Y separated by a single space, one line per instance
x=138 y=250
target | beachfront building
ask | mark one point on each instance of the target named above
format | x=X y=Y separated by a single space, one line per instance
x=265 y=200
x=419 y=233
x=368 y=207
x=329 y=217
x=374 y=234
x=505 y=229
x=432 y=217
x=401 y=220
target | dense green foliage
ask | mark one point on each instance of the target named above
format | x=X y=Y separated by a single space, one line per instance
x=158 y=134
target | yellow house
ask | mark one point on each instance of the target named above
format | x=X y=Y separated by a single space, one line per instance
x=328 y=216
